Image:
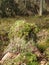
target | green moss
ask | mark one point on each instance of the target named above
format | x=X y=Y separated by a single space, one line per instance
x=31 y=57
x=43 y=46
x=27 y=58
x=21 y=29
x=6 y=23
x=33 y=63
x=43 y=39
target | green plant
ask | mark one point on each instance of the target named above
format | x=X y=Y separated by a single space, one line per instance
x=43 y=39
x=33 y=63
x=8 y=8
x=23 y=29
x=47 y=53
x=27 y=58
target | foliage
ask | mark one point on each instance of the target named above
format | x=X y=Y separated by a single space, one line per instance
x=33 y=63
x=5 y=25
x=23 y=58
x=43 y=45
x=23 y=29
x=47 y=53
x=22 y=35
x=8 y=8
x=43 y=39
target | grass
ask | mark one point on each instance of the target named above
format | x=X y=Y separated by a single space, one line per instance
x=6 y=23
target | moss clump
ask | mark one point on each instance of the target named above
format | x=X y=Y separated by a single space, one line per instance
x=43 y=45
x=22 y=36
x=33 y=63
x=23 y=29
x=43 y=39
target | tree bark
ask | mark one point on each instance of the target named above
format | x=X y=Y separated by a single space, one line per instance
x=41 y=7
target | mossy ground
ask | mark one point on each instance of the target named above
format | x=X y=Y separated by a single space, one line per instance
x=6 y=23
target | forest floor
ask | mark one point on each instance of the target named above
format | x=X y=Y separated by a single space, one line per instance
x=6 y=23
